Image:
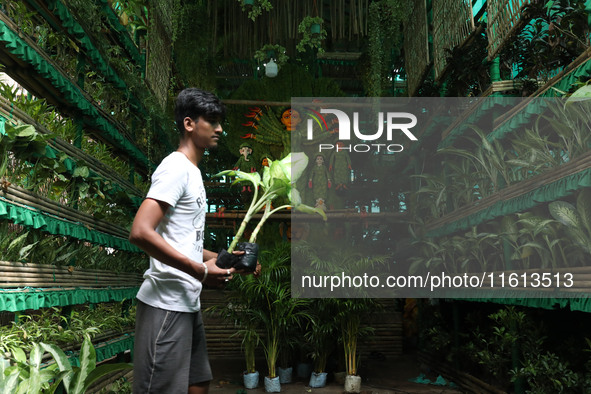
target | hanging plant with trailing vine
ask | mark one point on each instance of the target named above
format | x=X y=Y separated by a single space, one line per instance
x=385 y=34
x=310 y=38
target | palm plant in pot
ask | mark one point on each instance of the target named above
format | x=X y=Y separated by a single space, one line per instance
x=277 y=311
x=250 y=340
x=350 y=315
x=241 y=311
x=321 y=335
x=242 y=314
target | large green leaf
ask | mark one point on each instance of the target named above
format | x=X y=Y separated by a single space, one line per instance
x=61 y=360
x=584 y=208
x=25 y=131
x=19 y=354
x=103 y=370
x=82 y=172
x=34 y=369
x=87 y=365
x=581 y=94
x=9 y=380
x=565 y=213
x=254 y=177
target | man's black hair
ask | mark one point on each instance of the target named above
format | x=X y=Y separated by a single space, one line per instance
x=193 y=103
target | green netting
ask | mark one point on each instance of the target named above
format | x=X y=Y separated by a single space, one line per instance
x=122 y=34
x=487 y=105
x=14 y=300
x=74 y=28
x=71 y=93
x=550 y=192
x=106 y=350
x=57 y=226
x=536 y=107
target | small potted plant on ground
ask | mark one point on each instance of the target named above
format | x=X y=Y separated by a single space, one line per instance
x=250 y=340
x=350 y=314
x=321 y=335
x=276 y=310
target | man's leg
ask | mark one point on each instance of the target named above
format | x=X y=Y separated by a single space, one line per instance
x=200 y=374
x=161 y=351
x=199 y=388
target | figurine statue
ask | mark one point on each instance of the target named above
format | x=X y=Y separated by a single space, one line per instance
x=340 y=166
x=319 y=180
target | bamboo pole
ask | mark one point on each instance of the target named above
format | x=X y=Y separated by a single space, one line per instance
x=47 y=268
x=64 y=267
x=20 y=195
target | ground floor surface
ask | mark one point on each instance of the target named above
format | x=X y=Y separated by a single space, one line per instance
x=379 y=376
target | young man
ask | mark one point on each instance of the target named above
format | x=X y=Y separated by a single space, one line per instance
x=170 y=353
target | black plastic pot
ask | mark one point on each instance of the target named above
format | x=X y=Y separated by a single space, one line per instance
x=244 y=262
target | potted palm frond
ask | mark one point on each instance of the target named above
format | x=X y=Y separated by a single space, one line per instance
x=276 y=310
x=250 y=340
x=241 y=311
x=321 y=335
x=350 y=314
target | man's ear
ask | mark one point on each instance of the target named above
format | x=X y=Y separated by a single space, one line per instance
x=188 y=123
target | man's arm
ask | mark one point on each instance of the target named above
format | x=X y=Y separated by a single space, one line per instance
x=143 y=234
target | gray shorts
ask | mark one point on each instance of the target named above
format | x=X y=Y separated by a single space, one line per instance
x=170 y=351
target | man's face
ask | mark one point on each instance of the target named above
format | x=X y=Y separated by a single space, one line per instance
x=205 y=133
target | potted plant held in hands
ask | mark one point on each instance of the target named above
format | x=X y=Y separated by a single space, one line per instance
x=278 y=180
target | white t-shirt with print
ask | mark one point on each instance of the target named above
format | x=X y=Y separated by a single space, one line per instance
x=178 y=183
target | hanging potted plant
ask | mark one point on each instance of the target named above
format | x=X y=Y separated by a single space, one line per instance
x=255 y=7
x=312 y=34
x=272 y=51
x=272 y=57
